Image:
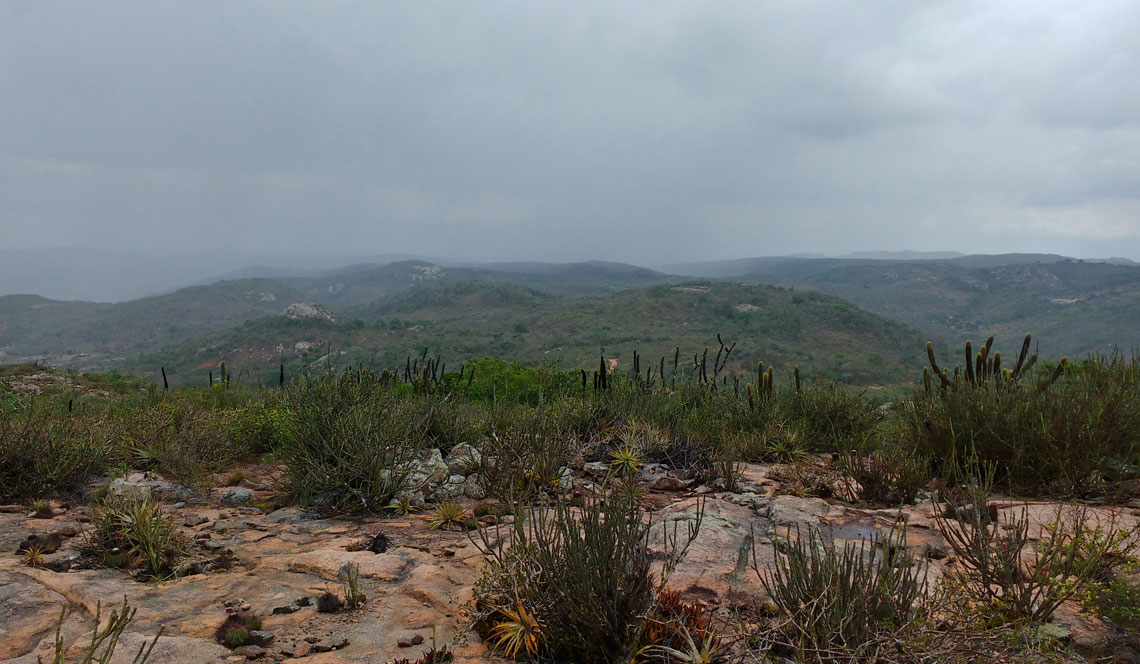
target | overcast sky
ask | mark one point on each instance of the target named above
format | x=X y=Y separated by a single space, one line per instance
x=649 y=132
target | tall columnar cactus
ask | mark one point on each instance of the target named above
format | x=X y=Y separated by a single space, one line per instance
x=981 y=367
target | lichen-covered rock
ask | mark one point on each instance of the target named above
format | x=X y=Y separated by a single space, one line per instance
x=463 y=459
x=473 y=487
x=454 y=487
x=428 y=468
x=144 y=486
x=565 y=480
x=236 y=497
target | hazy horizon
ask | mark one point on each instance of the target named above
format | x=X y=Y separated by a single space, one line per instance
x=507 y=131
x=76 y=273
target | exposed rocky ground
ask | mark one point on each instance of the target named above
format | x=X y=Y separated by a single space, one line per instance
x=417 y=579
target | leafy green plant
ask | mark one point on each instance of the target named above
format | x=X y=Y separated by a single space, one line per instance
x=448 y=515
x=138 y=531
x=626 y=460
x=33 y=556
x=349 y=576
x=786 y=447
x=1117 y=599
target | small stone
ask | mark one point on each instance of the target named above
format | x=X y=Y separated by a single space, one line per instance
x=246 y=606
x=195 y=521
x=934 y=552
x=236 y=497
x=283 y=610
x=565 y=480
x=332 y=642
x=429 y=467
x=61 y=561
x=596 y=468
x=329 y=603
x=473 y=487
x=417 y=639
x=191 y=569
x=669 y=484
x=463 y=459
x=252 y=652
x=260 y=637
x=404 y=643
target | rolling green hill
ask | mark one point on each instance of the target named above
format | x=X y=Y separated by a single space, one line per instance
x=571 y=313
x=1072 y=308
x=828 y=337
x=88 y=335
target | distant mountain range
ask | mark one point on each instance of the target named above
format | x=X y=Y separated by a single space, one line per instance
x=858 y=319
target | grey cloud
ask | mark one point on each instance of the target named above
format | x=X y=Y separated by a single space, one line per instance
x=650 y=132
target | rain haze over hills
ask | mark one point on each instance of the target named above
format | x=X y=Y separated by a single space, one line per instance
x=147 y=146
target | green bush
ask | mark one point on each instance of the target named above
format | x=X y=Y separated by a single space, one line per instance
x=44 y=452
x=182 y=440
x=523 y=453
x=350 y=442
x=259 y=426
x=830 y=417
x=1072 y=430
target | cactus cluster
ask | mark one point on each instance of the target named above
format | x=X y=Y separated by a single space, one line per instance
x=981 y=367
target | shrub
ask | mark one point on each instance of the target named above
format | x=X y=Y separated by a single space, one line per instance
x=259 y=427
x=889 y=476
x=1068 y=429
x=44 y=453
x=1118 y=600
x=827 y=415
x=524 y=454
x=574 y=584
x=994 y=564
x=179 y=438
x=350 y=443
x=841 y=605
